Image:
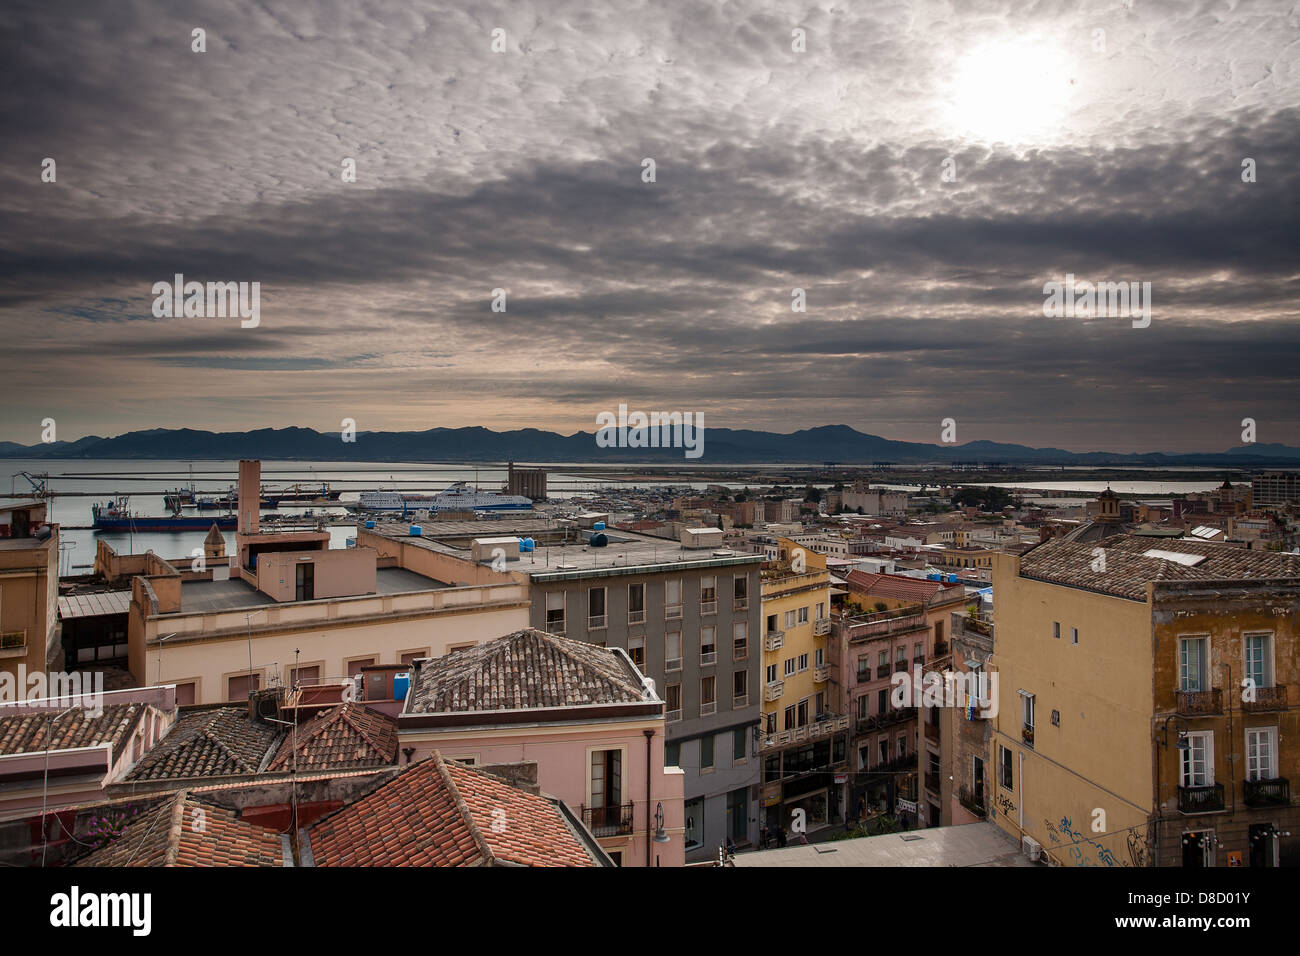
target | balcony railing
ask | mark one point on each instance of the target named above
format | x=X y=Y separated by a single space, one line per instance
x=774 y=640
x=972 y=801
x=1200 y=799
x=890 y=717
x=555 y=627
x=879 y=624
x=1027 y=734
x=708 y=607
x=1267 y=793
x=821 y=626
x=608 y=821
x=740 y=652
x=864 y=676
x=673 y=715
x=672 y=612
x=774 y=691
x=1196 y=703
x=673 y=664
x=739 y=702
x=940 y=648
x=708 y=657
x=709 y=709
x=740 y=604
x=821 y=727
x=931 y=731
x=900 y=666
x=821 y=674
x=882 y=671
x=595 y=622
x=1266 y=699
x=636 y=617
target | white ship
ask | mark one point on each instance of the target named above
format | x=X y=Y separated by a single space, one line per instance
x=458 y=497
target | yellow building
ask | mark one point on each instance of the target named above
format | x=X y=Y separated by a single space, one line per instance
x=803 y=741
x=1120 y=663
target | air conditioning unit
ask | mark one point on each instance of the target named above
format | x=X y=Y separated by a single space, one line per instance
x=1033 y=849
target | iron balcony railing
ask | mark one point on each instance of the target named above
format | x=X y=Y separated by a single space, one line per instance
x=822 y=727
x=709 y=708
x=608 y=821
x=672 y=612
x=1266 y=699
x=740 y=604
x=1197 y=703
x=1200 y=799
x=972 y=801
x=708 y=607
x=595 y=622
x=1267 y=793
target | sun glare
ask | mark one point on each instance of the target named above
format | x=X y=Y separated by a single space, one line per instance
x=1015 y=92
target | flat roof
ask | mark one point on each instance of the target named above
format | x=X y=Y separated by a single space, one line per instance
x=199 y=596
x=971 y=844
x=98 y=604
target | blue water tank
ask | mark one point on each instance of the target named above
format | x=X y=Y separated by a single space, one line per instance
x=598 y=526
x=370 y=525
x=934 y=577
x=416 y=531
x=526 y=545
x=401 y=684
x=952 y=579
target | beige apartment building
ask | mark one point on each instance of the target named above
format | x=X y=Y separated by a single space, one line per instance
x=29 y=589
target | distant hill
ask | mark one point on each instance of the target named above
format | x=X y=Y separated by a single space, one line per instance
x=838 y=443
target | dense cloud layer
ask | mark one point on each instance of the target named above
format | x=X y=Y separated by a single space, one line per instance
x=522 y=170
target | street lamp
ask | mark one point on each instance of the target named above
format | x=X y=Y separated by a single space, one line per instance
x=661 y=835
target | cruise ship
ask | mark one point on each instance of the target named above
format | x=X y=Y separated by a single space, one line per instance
x=458 y=497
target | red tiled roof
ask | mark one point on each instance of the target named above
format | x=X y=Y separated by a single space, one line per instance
x=896 y=586
x=526 y=669
x=26 y=732
x=208 y=742
x=442 y=813
x=180 y=830
x=350 y=735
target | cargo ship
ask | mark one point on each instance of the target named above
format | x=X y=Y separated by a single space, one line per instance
x=457 y=497
x=116 y=516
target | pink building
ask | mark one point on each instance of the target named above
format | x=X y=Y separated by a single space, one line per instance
x=585 y=714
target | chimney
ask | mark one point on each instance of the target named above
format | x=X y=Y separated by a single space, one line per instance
x=250 y=496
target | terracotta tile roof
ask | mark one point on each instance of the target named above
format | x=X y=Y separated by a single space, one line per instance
x=208 y=742
x=526 y=669
x=898 y=587
x=441 y=813
x=1127 y=567
x=350 y=735
x=26 y=732
x=181 y=830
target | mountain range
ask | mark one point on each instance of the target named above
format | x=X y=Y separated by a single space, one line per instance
x=827 y=443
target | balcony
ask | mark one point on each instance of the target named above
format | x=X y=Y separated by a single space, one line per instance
x=740 y=604
x=740 y=703
x=882 y=671
x=673 y=715
x=931 y=731
x=708 y=607
x=823 y=726
x=940 y=648
x=774 y=691
x=890 y=717
x=897 y=621
x=1266 y=699
x=608 y=821
x=972 y=801
x=1027 y=735
x=774 y=640
x=673 y=612
x=821 y=674
x=1200 y=799
x=708 y=709
x=673 y=664
x=900 y=667
x=1199 y=703
x=821 y=626
x=739 y=652
x=13 y=644
x=596 y=622
x=708 y=657
x=1267 y=793
x=636 y=617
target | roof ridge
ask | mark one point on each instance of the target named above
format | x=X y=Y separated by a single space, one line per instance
x=357 y=723
x=480 y=841
x=176 y=828
x=588 y=665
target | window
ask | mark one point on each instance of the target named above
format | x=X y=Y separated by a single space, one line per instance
x=1056 y=630
x=606 y=787
x=596 y=617
x=673 y=703
x=1027 y=710
x=636 y=603
x=239 y=688
x=636 y=650
x=883 y=744
x=1261 y=753
x=1005 y=779
x=672 y=755
x=740 y=687
x=902 y=746
x=673 y=651
x=305 y=581
x=821 y=610
x=740 y=592
x=882 y=663
x=411 y=657
x=354 y=667
x=1192 y=663
x=709 y=595
x=789 y=718
x=803 y=662
x=900 y=655
x=864 y=668
x=803 y=615
x=694 y=830
x=917 y=653
x=706 y=752
x=673 y=599
x=307 y=674
x=789 y=619
x=1198 y=760
x=769 y=723
x=1259 y=659
x=1074 y=635
x=739 y=750
x=708 y=645
x=864 y=757
x=789 y=666
x=820 y=657
x=185 y=693
x=938 y=632
x=882 y=701
x=555 y=612
x=708 y=696
x=802 y=712
x=821 y=704
x=864 y=707
x=740 y=641
x=771 y=673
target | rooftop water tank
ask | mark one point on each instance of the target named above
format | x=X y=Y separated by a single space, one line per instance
x=934 y=577
x=527 y=544
x=416 y=531
x=598 y=540
x=370 y=525
x=598 y=526
x=401 y=684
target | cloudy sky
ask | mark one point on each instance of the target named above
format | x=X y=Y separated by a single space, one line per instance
x=1104 y=140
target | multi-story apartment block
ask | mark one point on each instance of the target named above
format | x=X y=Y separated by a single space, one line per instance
x=1275 y=489
x=804 y=734
x=1145 y=713
x=29 y=588
x=686 y=611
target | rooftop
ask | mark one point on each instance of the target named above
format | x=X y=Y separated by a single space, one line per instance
x=442 y=813
x=204 y=596
x=32 y=732
x=346 y=736
x=1133 y=560
x=208 y=742
x=526 y=670
x=973 y=844
x=903 y=588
